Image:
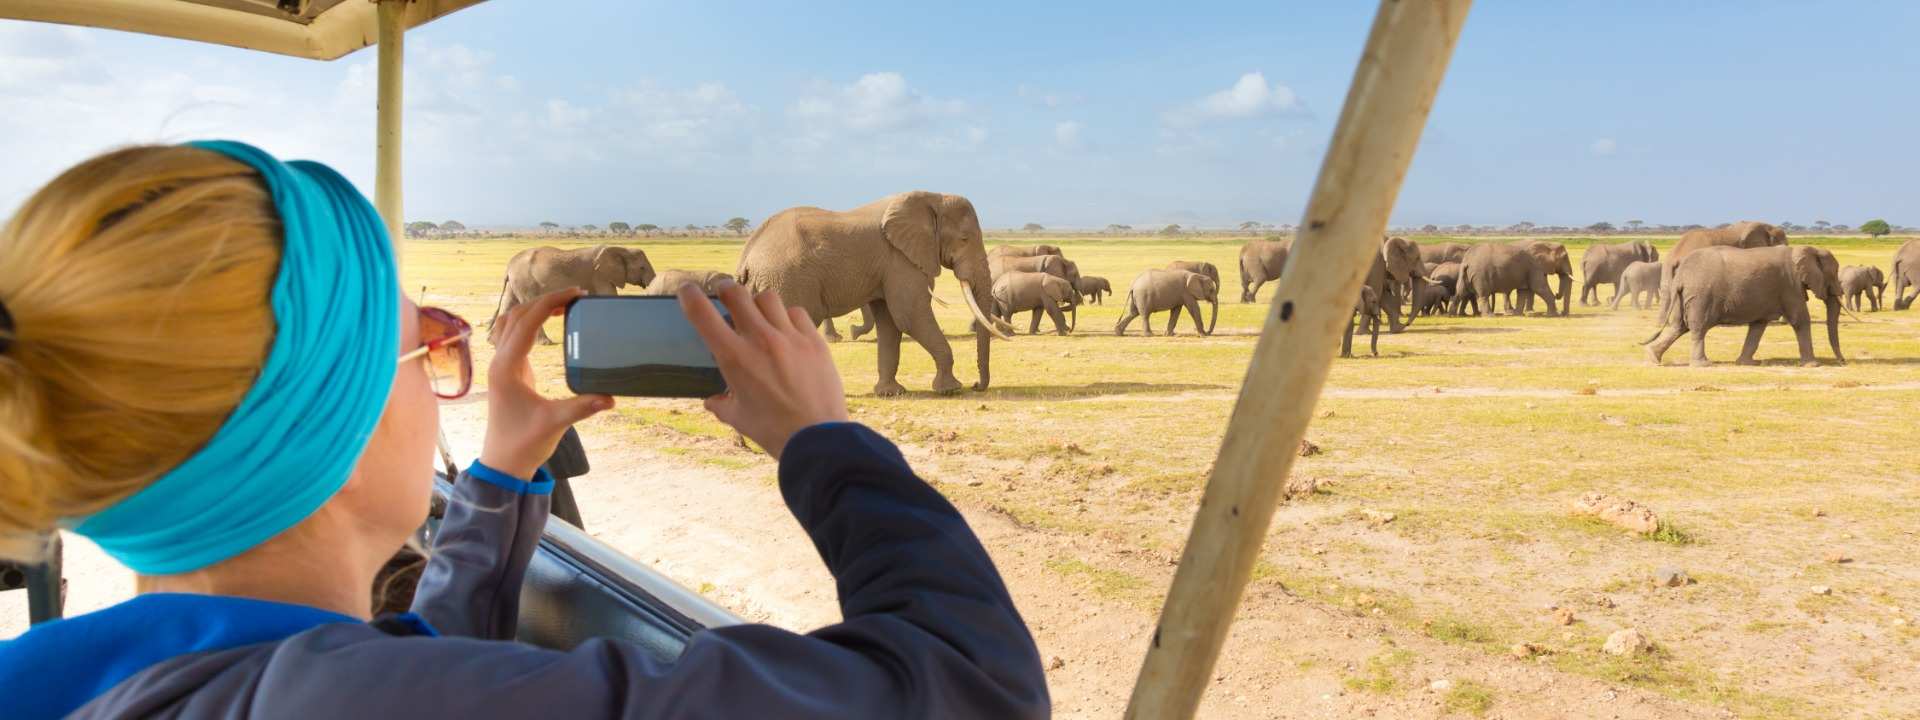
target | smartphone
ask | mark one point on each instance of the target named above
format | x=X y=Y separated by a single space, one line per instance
x=638 y=346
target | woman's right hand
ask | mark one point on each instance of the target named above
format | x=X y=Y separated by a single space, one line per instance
x=780 y=375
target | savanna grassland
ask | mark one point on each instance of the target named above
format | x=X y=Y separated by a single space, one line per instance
x=1440 y=533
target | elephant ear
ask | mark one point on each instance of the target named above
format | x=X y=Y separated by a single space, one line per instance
x=912 y=226
x=607 y=258
x=1806 y=270
x=1396 y=252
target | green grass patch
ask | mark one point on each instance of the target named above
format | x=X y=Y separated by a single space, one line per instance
x=1468 y=697
x=1669 y=533
x=1107 y=583
x=1461 y=631
x=1380 y=674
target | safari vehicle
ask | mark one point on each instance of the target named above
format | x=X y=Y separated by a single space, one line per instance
x=578 y=588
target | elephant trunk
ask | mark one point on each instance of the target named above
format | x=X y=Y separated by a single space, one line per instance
x=1394 y=324
x=984 y=330
x=1833 y=326
x=1073 y=321
x=1566 y=293
x=1215 y=322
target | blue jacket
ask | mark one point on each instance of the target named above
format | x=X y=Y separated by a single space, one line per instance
x=928 y=630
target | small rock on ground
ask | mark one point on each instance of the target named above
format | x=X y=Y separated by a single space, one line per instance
x=1821 y=590
x=1670 y=576
x=1563 y=616
x=1836 y=557
x=1441 y=685
x=1620 y=512
x=1626 y=642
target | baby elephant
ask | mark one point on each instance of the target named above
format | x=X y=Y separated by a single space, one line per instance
x=1428 y=298
x=1093 y=287
x=1857 y=280
x=668 y=282
x=1638 y=278
x=1368 y=308
x=1170 y=290
x=1017 y=291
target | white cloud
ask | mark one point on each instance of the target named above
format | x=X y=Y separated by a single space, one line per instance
x=1049 y=99
x=1603 y=147
x=876 y=103
x=1067 y=135
x=1250 y=96
x=563 y=115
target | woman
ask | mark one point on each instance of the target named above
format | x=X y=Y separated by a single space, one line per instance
x=197 y=371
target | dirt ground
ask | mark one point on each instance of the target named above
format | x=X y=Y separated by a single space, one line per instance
x=1441 y=534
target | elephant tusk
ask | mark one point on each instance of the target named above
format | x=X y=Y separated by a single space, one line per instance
x=936 y=298
x=966 y=293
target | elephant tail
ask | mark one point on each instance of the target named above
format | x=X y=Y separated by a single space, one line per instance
x=1672 y=298
x=499 y=305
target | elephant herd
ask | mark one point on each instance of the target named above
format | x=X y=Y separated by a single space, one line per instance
x=882 y=259
x=1744 y=273
x=1040 y=279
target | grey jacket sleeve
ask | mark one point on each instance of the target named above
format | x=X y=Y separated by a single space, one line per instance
x=471 y=587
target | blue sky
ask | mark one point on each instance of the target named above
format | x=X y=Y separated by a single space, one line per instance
x=1146 y=113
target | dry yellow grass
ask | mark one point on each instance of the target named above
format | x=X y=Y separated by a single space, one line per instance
x=1477 y=433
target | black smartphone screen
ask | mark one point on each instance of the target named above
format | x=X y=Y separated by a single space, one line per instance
x=638 y=346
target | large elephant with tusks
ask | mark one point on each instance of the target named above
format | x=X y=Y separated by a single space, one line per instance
x=885 y=254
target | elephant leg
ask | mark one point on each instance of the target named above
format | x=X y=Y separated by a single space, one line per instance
x=1547 y=297
x=1173 y=320
x=1033 y=322
x=1803 y=333
x=1146 y=322
x=1615 y=303
x=887 y=336
x=866 y=322
x=1120 y=328
x=1700 y=326
x=1346 y=339
x=1373 y=328
x=924 y=329
x=829 y=332
x=1754 y=331
x=1659 y=346
x=1059 y=320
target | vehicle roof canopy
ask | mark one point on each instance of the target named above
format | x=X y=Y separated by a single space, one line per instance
x=314 y=29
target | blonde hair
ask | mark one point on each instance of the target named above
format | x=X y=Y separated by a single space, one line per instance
x=139 y=284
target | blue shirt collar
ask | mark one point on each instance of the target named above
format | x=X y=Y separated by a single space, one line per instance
x=57 y=667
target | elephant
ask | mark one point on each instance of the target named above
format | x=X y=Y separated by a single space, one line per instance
x=1054 y=265
x=1906 y=274
x=1857 y=280
x=600 y=270
x=1603 y=264
x=1428 y=298
x=1157 y=290
x=1640 y=277
x=1023 y=251
x=885 y=254
x=1437 y=253
x=1095 y=287
x=1019 y=291
x=1743 y=234
x=1368 y=310
x=1392 y=276
x=1204 y=268
x=1751 y=287
x=1261 y=261
x=1492 y=269
x=1555 y=261
x=669 y=282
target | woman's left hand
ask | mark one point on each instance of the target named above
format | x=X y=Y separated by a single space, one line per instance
x=523 y=426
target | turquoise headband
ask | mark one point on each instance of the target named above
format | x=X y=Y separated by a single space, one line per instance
x=296 y=436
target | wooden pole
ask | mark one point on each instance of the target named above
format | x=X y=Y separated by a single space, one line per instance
x=386 y=164
x=1393 y=89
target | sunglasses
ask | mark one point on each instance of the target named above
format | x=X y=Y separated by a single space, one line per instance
x=443 y=341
